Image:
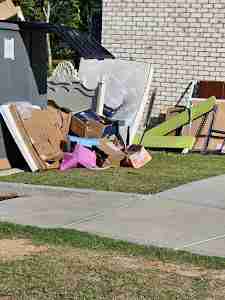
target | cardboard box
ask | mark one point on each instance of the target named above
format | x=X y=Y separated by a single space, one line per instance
x=88 y=129
x=114 y=154
x=90 y=125
x=136 y=157
x=45 y=135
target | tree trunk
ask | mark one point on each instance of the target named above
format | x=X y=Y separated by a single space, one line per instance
x=47 y=15
x=50 y=66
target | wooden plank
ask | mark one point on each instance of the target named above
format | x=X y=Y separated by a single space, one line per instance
x=168 y=142
x=182 y=119
x=140 y=113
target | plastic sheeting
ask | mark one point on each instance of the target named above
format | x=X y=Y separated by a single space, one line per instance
x=116 y=95
x=131 y=80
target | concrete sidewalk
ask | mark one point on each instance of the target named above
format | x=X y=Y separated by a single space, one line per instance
x=191 y=217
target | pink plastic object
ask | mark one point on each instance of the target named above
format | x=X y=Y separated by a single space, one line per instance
x=69 y=162
x=80 y=156
x=85 y=157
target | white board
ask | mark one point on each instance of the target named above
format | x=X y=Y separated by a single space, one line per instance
x=134 y=81
x=18 y=138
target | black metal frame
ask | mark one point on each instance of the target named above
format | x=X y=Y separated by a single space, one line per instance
x=212 y=131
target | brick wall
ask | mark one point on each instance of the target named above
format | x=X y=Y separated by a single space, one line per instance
x=184 y=39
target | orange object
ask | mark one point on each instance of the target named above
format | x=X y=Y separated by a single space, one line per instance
x=137 y=157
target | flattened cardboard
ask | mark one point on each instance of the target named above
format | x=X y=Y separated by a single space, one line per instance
x=7 y=10
x=45 y=136
x=216 y=142
x=39 y=135
x=60 y=119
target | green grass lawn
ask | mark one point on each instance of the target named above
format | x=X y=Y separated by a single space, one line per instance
x=165 y=171
x=77 y=265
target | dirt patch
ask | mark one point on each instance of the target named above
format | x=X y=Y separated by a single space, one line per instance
x=143 y=264
x=218 y=275
x=185 y=270
x=64 y=271
x=18 y=248
x=123 y=263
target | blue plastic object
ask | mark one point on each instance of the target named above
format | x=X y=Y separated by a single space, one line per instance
x=84 y=141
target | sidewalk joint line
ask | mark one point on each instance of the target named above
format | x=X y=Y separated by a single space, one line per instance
x=219 y=237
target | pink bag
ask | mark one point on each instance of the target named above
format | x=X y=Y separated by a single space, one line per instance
x=80 y=156
x=85 y=157
x=69 y=162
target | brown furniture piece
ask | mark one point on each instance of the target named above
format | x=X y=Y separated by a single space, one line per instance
x=207 y=89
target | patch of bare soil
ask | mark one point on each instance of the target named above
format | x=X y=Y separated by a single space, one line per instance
x=143 y=264
x=117 y=262
x=18 y=248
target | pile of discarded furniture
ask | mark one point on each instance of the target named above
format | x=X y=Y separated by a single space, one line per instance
x=196 y=123
x=72 y=119
x=54 y=138
x=68 y=120
x=92 y=117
